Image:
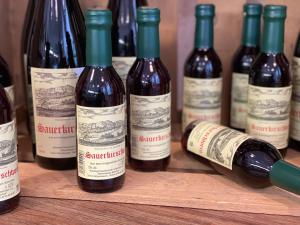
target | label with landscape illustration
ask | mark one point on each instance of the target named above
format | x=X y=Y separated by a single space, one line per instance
x=268 y=114
x=101 y=142
x=9 y=176
x=53 y=92
x=150 y=118
x=295 y=107
x=202 y=100
x=215 y=142
x=122 y=65
x=239 y=97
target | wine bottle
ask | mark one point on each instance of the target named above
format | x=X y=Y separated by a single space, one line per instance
x=9 y=182
x=124 y=34
x=202 y=84
x=269 y=92
x=55 y=59
x=295 y=103
x=241 y=157
x=6 y=82
x=28 y=28
x=100 y=111
x=148 y=99
x=242 y=61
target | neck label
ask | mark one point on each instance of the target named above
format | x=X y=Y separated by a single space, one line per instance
x=122 y=65
x=202 y=100
x=268 y=114
x=215 y=143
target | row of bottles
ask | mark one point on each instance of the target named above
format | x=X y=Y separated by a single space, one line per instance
x=261 y=80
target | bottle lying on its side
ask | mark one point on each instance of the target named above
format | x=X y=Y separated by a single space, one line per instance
x=240 y=156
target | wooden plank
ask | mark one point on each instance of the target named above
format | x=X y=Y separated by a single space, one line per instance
x=191 y=190
x=35 y=211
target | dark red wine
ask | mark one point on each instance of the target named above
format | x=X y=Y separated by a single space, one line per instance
x=148 y=99
x=28 y=28
x=124 y=34
x=6 y=82
x=295 y=104
x=241 y=157
x=100 y=111
x=202 y=74
x=9 y=182
x=269 y=92
x=242 y=62
x=55 y=60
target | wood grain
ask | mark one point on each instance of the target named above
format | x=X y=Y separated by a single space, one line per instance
x=36 y=211
x=180 y=188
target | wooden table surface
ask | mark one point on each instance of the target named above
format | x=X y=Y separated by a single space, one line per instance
x=188 y=193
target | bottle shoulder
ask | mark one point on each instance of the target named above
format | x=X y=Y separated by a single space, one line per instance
x=148 y=76
x=243 y=59
x=270 y=70
x=203 y=63
x=5 y=77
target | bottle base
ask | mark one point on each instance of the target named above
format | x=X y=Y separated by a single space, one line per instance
x=283 y=152
x=56 y=164
x=9 y=205
x=149 y=166
x=101 y=186
x=294 y=144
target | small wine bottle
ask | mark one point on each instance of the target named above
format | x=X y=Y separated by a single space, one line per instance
x=124 y=34
x=242 y=61
x=269 y=91
x=149 y=99
x=202 y=85
x=56 y=58
x=241 y=157
x=100 y=111
x=6 y=82
x=295 y=104
x=9 y=182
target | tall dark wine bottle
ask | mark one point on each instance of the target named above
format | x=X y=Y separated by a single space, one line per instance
x=148 y=99
x=9 y=182
x=269 y=91
x=6 y=81
x=124 y=34
x=295 y=107
x=241 y=157
x=28 y=27
x=242 y=61
x=55 y=60
x=202 y=85
x=100 y=111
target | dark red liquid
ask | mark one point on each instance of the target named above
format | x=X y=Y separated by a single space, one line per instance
x=100 y=87
x=242 y=62
x=252 y=161
x=56 y=43
x=6 y=117
x=147 y=77
x=271 y=70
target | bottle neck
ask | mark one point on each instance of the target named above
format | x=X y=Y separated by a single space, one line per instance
x=204 y=34
x=251 y=31
x=273 y=36
x=148 y=41
x=98 y=46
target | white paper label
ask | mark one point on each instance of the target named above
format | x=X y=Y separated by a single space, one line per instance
x=53 y=92
x=9 y=176
x=215 y=143
x=101 y=142
x=268 y=114
x=295 y=109
x=239 y=98
x=122 y=65
x=150 y=121
x=202 y=100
